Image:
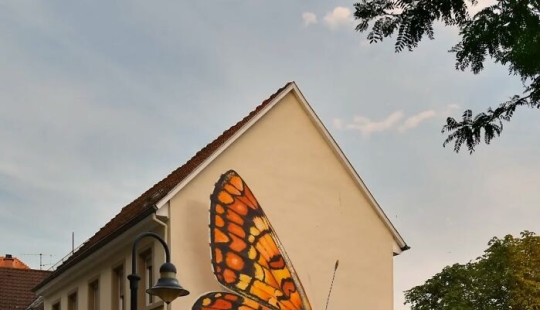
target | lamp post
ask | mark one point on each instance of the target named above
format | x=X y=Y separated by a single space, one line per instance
x=167 y=287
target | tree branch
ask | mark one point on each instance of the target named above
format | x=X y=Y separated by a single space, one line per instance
x=469 y=131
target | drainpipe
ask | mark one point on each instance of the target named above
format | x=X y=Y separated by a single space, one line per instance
x=162 y=224
x=165 y=237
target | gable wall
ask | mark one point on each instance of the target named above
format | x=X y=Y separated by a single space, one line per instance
x=312 y=202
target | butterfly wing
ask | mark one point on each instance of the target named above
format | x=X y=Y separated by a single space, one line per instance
x=247 y=256
x=226 y=301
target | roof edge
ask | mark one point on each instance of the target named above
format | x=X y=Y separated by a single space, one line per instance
x=396 y=235
x=81 y=256
x=252 y=118
x=156 y=193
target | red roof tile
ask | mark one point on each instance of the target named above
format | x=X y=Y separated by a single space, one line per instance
x=12 y=262
x=16 y=287
x=145 y=204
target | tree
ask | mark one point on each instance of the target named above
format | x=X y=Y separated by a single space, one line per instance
x=506 y=276
x=507 y=32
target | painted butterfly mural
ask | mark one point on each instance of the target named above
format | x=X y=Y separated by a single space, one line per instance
x=247 y=256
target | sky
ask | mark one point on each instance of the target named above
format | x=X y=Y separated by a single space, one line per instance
x=102 y=99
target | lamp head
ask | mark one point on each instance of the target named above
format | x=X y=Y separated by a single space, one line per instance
x=167 y=287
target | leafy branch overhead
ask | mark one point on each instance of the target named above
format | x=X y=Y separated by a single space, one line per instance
x=507 y=32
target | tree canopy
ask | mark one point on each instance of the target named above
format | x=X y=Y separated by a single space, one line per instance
x=507 y=32
x=506 y=276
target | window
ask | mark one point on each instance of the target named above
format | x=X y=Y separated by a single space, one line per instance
x=56 y=306
x=149 y=277
x=93 y=295
x=145 y=270
x=118 y=286
x=72 y=301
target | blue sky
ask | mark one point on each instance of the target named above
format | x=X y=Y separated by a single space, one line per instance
x=100 y=100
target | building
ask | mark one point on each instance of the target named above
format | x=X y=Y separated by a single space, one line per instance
x=319 y=206
x=9 y=261
x=16 y=283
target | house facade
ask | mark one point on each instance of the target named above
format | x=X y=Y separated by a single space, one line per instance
x=317 y=204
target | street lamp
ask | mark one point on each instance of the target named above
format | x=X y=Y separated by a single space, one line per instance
x=167 y=287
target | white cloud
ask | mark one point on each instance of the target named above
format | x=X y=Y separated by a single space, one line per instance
x=449 y=109
x=309 y=18
x=366 y=126
x=415 y=120
x=340 y=16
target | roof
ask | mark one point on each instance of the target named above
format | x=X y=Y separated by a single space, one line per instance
x=145 y=204
x=9 y=261
x=37 y=304
x=16 y=287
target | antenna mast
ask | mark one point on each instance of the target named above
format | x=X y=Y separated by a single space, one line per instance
x=41 y=264
x=332 y=284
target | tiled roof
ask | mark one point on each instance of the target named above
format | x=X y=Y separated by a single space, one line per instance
x=12 y=262
x=145 y=204
x=16 y=287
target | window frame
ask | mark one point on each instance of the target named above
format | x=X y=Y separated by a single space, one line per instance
x=145 y=268
x=57 y=305
x=73 y=300
x=94 y=296
x=118 y=287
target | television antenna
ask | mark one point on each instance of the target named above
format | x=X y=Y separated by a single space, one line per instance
x=41 y=264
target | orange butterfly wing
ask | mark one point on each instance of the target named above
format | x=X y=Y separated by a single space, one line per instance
x=247 y=256
x=226 y=301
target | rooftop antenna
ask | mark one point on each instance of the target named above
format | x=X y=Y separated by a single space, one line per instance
x=41 y=264
x=332 y=284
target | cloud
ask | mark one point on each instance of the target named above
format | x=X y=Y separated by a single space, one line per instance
x=309 y=18
x=366 y=126
x=340 y=16
x=449 y=110
x=415 y=120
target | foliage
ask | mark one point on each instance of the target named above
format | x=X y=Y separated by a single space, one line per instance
x=506 y=276
x=507 y=32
